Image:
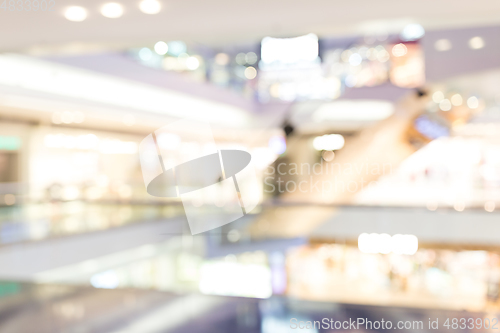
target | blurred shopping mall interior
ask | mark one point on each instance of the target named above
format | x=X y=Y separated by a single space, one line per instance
x=238 y=167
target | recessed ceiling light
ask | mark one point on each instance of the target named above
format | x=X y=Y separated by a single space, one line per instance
x=476 y=43
x=112 y=10
x=75 y=14
x=150 y=6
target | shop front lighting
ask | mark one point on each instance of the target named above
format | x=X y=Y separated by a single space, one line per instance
x=329 y=142
x=385 y=244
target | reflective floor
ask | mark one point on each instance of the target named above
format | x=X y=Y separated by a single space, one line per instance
x=57 y=308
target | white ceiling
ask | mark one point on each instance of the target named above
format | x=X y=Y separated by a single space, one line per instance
x=227 y=21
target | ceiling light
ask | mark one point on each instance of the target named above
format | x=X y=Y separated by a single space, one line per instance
x=150 y=7
x=442 y=45
x=290 y=50
x=476 y=43
x=412 y=32
x=161 y=48
x=75 y=13
x=112 y=10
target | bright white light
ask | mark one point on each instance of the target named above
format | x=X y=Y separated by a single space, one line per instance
x=476 y=43
x=105 y=280
x=168 y=141
x=364 y=243
x=277 y=144
x=145 y=54
x=75 y=14
x=355 y=59
x=329 y=142
x=263 y=157
x=70 y=193
x=67 y=117
x=235 y=279
x=128 y=120
x=192 y=63
x=399 y=50
x=250 y=73
x=411 y=244
x=473 y=102
x=445 y=105
x=412 y=32
x=56 y=118
x=290 y=50
x=456 y=100
x=150 y=7
x=79 y=117
x=161 y=48
x=353 y=110
x=385 y=244
x=112 y=10
x=437 y=97
x=442 y=45
x=90 y=142
x=114 y=146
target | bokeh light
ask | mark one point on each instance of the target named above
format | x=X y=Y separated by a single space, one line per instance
x=75 y=13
